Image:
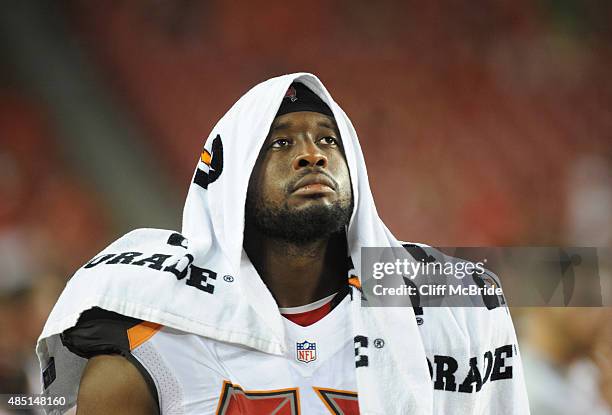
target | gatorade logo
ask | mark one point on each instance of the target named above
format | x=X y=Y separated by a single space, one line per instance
x=211 y=165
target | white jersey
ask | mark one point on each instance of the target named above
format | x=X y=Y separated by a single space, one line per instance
x=196 y=375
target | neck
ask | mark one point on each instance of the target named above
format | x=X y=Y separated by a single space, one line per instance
x=298 y=274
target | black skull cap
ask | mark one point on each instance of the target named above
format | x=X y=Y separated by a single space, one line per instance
x=299 y=98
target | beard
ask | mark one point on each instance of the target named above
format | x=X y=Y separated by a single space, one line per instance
x=299 y=226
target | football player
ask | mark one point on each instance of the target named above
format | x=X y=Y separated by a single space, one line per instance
x=300 y=198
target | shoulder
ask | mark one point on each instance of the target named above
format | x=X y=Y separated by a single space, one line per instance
x=99 y=331
x=107 y=340
x=144 y=247
x=472 y=303
x=162 y=357
x=467 y=282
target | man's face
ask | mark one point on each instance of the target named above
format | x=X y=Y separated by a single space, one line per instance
x=300 y=189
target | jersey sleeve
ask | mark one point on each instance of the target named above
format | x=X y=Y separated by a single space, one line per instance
x=102 y=332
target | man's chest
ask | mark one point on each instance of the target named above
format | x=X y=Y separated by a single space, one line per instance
x=316 y=375
x=310 y=378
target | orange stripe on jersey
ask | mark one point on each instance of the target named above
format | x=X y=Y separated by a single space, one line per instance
x=354 y=281
x=142 y=332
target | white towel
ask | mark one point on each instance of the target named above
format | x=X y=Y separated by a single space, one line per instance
x=199 y=284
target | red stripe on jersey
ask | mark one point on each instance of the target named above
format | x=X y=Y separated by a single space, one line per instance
x=309 y=317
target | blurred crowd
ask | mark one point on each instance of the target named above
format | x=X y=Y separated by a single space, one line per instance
x=50 y=223
x=567 y=357
x=482 y=125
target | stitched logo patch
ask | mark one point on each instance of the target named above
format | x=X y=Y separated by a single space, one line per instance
x=306 y=351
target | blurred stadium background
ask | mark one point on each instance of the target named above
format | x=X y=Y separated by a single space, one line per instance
x=482 y=123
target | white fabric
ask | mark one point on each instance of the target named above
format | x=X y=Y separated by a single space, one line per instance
x=241 y=310
x=308 y=307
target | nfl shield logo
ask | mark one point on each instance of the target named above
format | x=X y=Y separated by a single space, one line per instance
x=306 y=351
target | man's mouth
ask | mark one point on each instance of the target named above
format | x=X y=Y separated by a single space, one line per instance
x=314 y=185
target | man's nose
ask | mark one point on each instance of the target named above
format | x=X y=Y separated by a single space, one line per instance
x=309 y=156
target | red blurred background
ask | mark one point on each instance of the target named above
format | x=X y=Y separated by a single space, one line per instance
x=482 y=123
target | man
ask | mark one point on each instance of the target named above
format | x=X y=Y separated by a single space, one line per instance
x=256 y=307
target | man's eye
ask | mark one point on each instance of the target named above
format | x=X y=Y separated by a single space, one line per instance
x=280 y=143
x=329 y=141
